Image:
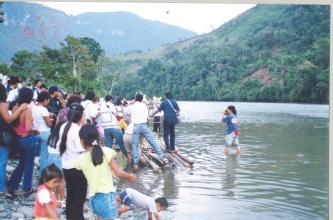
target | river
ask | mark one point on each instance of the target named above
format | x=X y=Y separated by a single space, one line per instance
x=281 y=173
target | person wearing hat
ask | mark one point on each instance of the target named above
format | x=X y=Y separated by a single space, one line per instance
x=56 y=103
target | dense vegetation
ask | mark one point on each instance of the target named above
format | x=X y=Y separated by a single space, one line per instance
x=275 y=53
x=79 y=64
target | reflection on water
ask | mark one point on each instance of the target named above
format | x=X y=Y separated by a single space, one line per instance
x=282 y=172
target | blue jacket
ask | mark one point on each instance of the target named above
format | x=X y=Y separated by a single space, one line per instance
x=169 y=114
x=231 y=121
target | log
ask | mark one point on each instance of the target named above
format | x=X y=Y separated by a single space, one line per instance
x=184 y=158
x=155 y=158
x=184 y=163
x=151 y=163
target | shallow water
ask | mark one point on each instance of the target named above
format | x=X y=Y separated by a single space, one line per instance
x=282 y=172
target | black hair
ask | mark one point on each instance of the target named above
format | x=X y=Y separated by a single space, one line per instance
x=139 y=97
x=233 y=109
x=49 y=173
x=162 y=201
x=36 y=81
x=73 y=99
x=43 y=86
x=74 y=115
x=14 y=80
x=108 y=98
x=54 y=136
x=168 y=95
x=90 y=95
x=43 y=96
x=3 y=95
x=119 y=101
x=25 y=95
x=89 y=135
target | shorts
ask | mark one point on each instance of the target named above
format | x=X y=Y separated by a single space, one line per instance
x=56 y=159
x=232 y=140
x=128 y=142
x=104 y=205
x=125 y=199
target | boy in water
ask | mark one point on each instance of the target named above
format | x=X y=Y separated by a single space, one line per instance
x=130 y=198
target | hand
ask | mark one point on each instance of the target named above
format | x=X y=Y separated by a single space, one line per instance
x=35 y=131
x=132 y=178
x=22 y=107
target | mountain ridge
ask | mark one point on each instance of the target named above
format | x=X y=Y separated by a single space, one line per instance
x=29 y=25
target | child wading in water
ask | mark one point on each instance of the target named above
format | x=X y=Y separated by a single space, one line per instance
x=96 y=165
x=230 y=117
x=131 y=198
x=45 y=200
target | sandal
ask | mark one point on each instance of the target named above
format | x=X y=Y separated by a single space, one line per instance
x=29 y=192
x=10 y=194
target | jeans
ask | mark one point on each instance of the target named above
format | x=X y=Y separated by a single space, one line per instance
x=169 y=128
x=55 y=159
x=110 y=134
x=27 y=152
x=41 y=141
x=76 y=186
x=143 y=129
x=4 y=153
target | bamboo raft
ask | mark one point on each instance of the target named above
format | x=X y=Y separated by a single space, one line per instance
x=148 y=157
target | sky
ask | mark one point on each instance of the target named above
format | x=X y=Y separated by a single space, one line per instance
x=198 y=17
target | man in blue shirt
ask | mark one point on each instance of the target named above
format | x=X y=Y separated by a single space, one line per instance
x=171 y=110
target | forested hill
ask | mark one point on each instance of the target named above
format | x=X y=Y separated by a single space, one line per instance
x=29 y=26
x=275 y=53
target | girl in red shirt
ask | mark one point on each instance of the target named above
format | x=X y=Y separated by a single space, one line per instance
x=45 y=199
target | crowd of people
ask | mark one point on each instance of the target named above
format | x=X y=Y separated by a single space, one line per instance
x=74 y=136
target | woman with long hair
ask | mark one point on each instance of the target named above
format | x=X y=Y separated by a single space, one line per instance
x=70 y=149
x=26 y=147
x=5 y=120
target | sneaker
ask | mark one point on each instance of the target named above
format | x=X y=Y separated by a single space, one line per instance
x=135 y=167
x=165 y=161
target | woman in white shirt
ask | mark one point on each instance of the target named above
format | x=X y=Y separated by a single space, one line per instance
x=42 y=121
x=70 y=149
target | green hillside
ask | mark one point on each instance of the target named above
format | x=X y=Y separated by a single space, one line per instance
x=277 y=53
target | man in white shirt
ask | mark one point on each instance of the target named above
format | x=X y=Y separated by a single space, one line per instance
x=111 y=127
x=139 y=117
x=13 y=84
x=90 y=108
x=130 y=199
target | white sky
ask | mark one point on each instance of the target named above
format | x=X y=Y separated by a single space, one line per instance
x=198 y=17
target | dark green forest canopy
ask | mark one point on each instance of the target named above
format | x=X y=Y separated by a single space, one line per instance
x=271 y=53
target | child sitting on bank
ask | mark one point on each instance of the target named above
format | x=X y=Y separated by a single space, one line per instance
x=96 y=164
x=130 y=198
x=45 y=199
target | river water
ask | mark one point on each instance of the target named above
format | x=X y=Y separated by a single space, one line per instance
x=281 y=173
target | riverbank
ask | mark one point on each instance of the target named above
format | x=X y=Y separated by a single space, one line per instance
x=22 y=208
